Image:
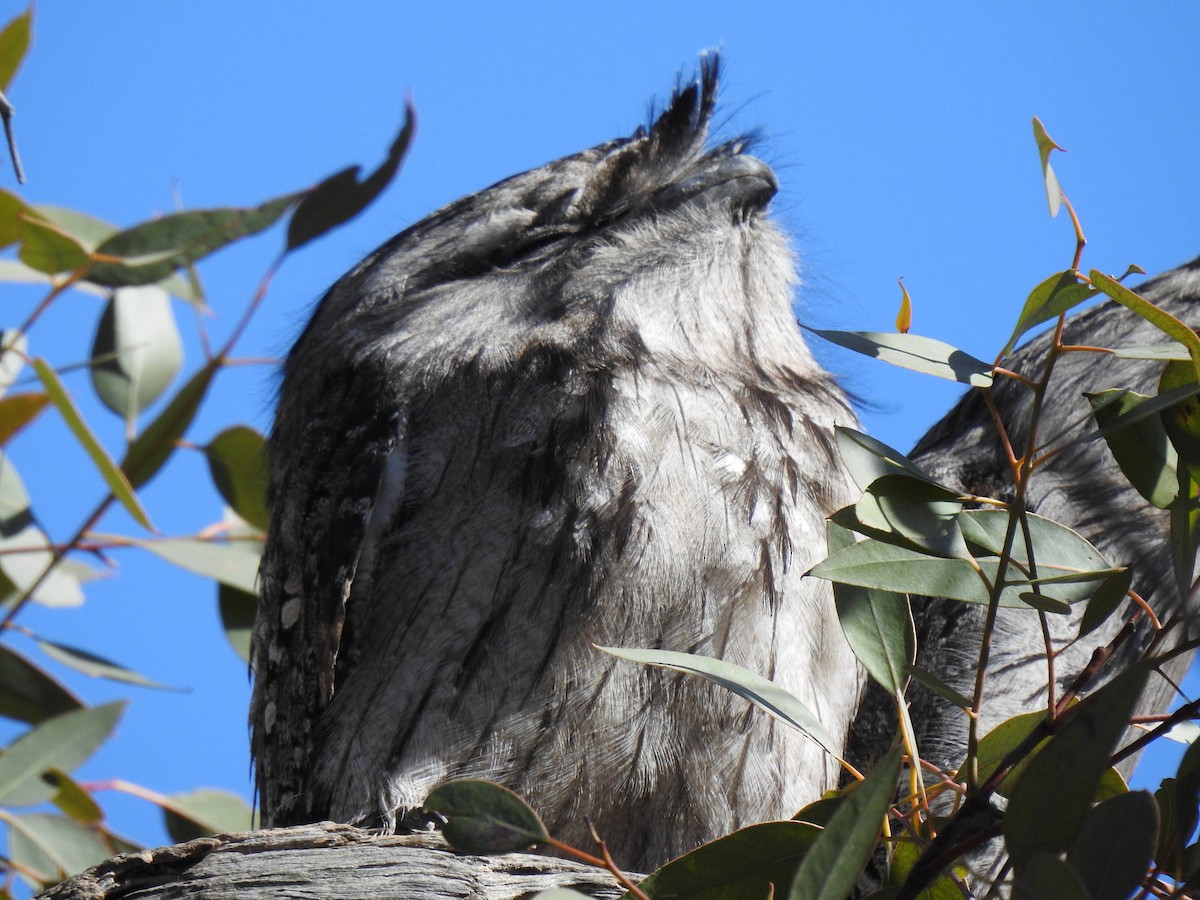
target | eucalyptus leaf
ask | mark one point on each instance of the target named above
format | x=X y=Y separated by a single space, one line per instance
x=109 y=470
x=765 y=694
x=867 y=459
x=153 y=250
x=30 y=694
x=19 y=410
x=482 y=817
x=1172 y=350
x=1160 y=318
x=53 y=846
x=1045 y=144
x=1113 y=851
x=92 y=665
x=1105 y=601
x=237 y=610
x=1142 y=449
x=878 y=624
x=154 y=446
x=140 y=349
x=1051 y=800
x=206 y=812
x=234 y=563
x=939 y=687
x=911 y=351
x=1046 y=876
x=62 y=742
x=237 y=461
x=71 y=799
x=743 y=864
x=342 y=196
x=833 y=864
x=1057 y=294
x=916 y=513
x=25 y=557
x=14 y=43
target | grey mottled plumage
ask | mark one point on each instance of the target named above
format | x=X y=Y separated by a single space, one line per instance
x=571 y=409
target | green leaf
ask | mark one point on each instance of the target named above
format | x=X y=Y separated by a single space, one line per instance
x=206 y=812
x=1113 y=850
x=868 y=459
x=30 y=694
x=234 y=563
x=1160 y=318
x=151 y=251
x=73 y=800
x=53 y=846
x=914 y=513
x=237 y=460
x=1054 y=193
x=62 y=742
x=877 y=624
x=764 y=694
x=47 y=248
x=19 y=410
x=1002 y=740
x=1181 y=422
x=237 y=617
x=1057 y=294
x=154 y=446
x=833 y=864
x=14 y=43
x=911 y=351
x=905 y=854
x=483 y=817
x=1050 y=801
x=139 y=350
x=1046 y=876
x=109 y=471
x=1046 y=604
x=92 y=665
x=739 y=865
x=84 y=229
x=939 y=687
x=1107 y=599
x=341 y=196
x=1142 y=449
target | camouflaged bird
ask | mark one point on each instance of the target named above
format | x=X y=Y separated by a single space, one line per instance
x=573 y=409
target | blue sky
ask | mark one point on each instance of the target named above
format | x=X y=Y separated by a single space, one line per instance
x=900 y=133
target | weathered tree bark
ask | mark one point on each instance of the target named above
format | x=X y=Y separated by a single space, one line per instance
x=327 y=860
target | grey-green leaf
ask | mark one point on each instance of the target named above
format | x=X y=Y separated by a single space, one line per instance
x=154 y=446
x=237 y=610
x=914 y=513
x=483 y=817
x=138 y=347
x=763 y=693
x=25 y=557
x=237 y=461
x=1105 y=601
x=877 y=624
x=833 y=864
x=1050 y=801
x=1057 y=294
x=1142 y=449
x=53 y=846
x=867 y=459
x=739 y=865
x=92 y=665
x=30 y=694
x=911 y=351
x=1113 y=850
x=234 y=563
x=151 y=251
x=205 y=812
x=62 y=742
